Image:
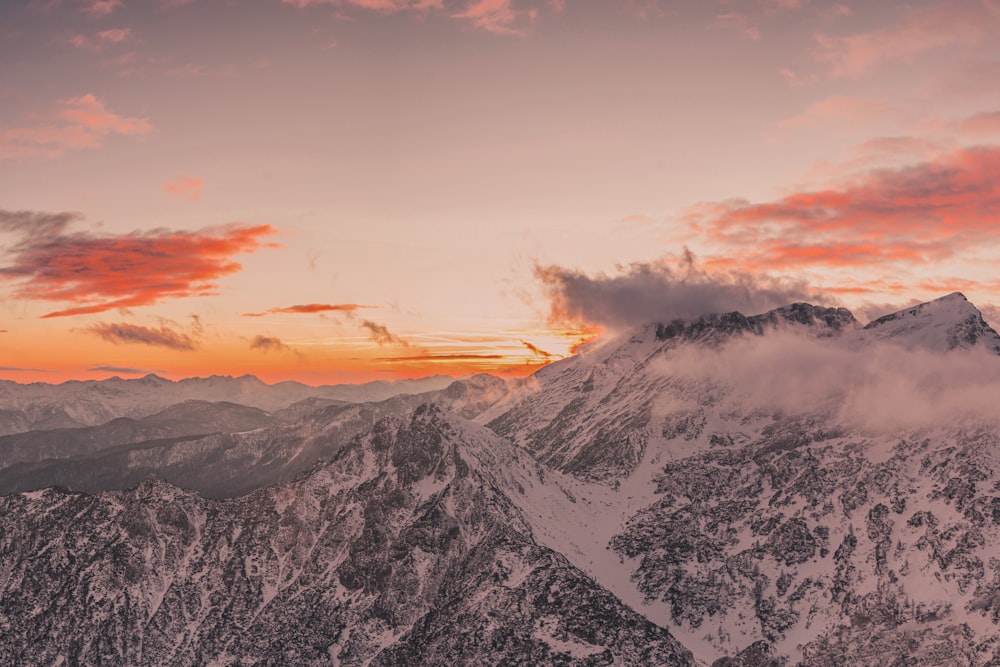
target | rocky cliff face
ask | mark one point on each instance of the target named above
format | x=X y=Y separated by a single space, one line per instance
x=403 y=549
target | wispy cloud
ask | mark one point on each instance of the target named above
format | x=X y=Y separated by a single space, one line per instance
x=908 y=215
x=498 y=16
x=123 y=333
x=185 y=187
x=101 y=273
x=843 y=114
x=943 y=25
x=99 y=8
x=381 y=334
x=102 y=40
x=308 y=308
x=443 y=357
x=537 y=351
x=386 y=6
x=123 y=370
x=195 y=71
x=740 y=23
x=268 y=344
x=501 y=17
x=80 y=122
x=981 y=125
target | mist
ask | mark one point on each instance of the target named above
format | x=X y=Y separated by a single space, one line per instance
x=876 y=389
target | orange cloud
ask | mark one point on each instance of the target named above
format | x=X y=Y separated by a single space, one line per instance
x=537 y=351
x=81 y=122
x=911 y=215
x=185 y=187
x=443 y=357
x=101 y=273
x=312 y=308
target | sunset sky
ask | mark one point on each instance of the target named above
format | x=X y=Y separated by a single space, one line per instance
x=345 y=190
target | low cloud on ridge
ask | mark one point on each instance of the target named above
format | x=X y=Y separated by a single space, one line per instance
x=878 y=388
x=645 y=292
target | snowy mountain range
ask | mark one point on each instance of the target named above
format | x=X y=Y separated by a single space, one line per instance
x=777 y=489
x=41 y=406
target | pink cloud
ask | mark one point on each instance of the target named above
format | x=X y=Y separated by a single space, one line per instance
x=740 y=23
x=102 y=7
x=644 y=9
x=193 y=71
x=982 y=124
x=948 y=24
x=102 y=273
x=844 y=113
x=385 y=6
x=502 y=17
x=102 y=40
x=80 y=122
x=185 y=187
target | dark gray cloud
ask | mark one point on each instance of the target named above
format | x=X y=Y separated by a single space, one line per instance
x=132 y=333
x=124 y=370
x=646 y=292
x=268 y=344
x=31 y=225
x=381 y=334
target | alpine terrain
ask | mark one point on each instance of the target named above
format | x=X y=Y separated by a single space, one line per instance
x=786 y=488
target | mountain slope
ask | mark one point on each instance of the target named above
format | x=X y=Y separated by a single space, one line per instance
x=829 y=494
x=403 y=547
x=592 y=414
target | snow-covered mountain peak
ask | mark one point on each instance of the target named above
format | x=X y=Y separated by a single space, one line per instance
x=943 y=324
x=817 y=320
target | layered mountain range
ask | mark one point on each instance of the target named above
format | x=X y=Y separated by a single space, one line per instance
x=776 y=489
